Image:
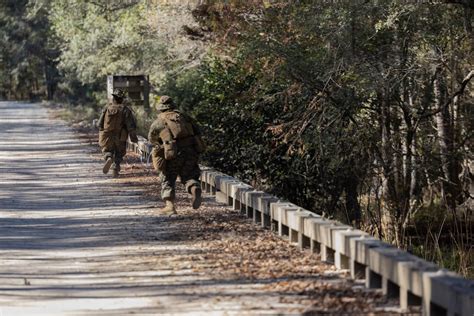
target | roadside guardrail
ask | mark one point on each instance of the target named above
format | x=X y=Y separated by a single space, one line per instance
x=401 y=275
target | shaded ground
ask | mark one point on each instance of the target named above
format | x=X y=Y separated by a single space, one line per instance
x=76 y=242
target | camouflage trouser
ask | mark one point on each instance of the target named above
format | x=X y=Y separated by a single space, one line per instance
x=112 y=147
x=186 y=167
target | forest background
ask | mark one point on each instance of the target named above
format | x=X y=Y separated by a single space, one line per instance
x=358 y=110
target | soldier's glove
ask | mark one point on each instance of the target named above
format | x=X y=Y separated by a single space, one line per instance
x=133 y=137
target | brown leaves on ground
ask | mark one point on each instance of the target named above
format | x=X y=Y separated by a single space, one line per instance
x=230 y=247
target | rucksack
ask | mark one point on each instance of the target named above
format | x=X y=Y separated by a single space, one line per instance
x=177 y=127
x=178 y=124
x=113 y=120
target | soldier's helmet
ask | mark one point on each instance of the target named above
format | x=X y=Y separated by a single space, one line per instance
x=119 y=93
x=165 y=103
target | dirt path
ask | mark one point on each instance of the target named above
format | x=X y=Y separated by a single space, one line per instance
x=76 y=242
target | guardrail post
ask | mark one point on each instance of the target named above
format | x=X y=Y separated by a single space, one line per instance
x=341 y=239
x=235 y=192
x=251 y=203
x=411 y=281
x=359 y=254
x=275 y=214
x=223 y=189
x=264 y=202
x=202 y=178
x=328 y=253
x=283 y=227
x=296 y=226
x=228 y=191
x=311 y=228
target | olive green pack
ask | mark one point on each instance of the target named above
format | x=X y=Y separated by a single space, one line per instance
x=169 y=144
x=179 y=126
x=113 y=120
x=158 y=158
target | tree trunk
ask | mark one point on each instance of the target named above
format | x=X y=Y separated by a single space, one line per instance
x=389 y=226
x=352 y=203
x=445 y=140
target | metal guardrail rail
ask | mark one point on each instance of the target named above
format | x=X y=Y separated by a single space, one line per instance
x=399 y=274
x=142 y=148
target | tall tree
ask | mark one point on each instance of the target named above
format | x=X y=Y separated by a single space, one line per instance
x=29 y=52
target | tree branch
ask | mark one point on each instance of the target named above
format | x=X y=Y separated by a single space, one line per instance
x=464 y=83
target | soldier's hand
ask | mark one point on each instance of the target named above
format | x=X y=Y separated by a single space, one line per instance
x=133 y=137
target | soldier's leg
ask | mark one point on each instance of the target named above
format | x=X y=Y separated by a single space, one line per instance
x=190 y=174
x=108 y=153
x=168 y=183
x=120 y=151
x=168 y=180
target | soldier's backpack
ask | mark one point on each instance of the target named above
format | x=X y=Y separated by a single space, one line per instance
x=178 y=124
x=113 y=120
x=170 y=147
x=177 y=127
x=158 y=158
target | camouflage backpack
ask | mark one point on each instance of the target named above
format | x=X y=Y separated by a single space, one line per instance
x=178 y=125
x=113 y=120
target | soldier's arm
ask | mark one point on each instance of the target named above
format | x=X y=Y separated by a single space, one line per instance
x=154 y=134
x=130 y=122
x=196 y=129
x=101 y=119
x=200 y=145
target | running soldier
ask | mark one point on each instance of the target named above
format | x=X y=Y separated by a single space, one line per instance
x=116 y=123
x=177 y=144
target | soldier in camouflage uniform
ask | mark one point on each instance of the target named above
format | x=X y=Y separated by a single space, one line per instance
x=178 y=159
x=116 y=123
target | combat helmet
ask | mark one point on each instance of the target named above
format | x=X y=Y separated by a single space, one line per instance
x=165 y=103
x=119 y=93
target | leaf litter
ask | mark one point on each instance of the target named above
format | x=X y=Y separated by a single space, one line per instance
x=231 y=247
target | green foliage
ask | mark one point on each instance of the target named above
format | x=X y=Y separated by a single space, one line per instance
x=98 y=42
x=234 y=126
x=29 y=50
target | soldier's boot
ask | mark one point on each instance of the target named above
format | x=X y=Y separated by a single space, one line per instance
x=169 y=208
x=115 y=170
x=196 y=193
x=108 y=163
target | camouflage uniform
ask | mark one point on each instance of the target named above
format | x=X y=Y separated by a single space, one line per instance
x=113 y=139
x=185 y=165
